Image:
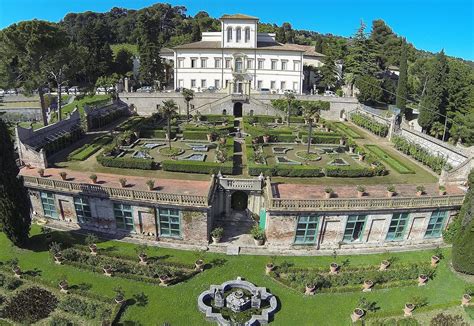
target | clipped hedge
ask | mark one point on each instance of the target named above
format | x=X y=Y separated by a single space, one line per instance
x=321 y=138
x=346 y=130
x=393 y=162
x=155 y=133
x=195 y=134
x=126 y=163
x=353 y=172
x=85 y=151
x=370 y=124
x=130 y=123
x=285 y=171
x=197 y=167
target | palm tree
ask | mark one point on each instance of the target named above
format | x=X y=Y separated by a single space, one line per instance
x=437 y=129
x=188 y=96
x=168 y=110
x=289 y=99
x=311 y=111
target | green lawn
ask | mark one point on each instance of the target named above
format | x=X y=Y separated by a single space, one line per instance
x=177 y=304
x=348 y=130
x=396 y=164
x=87 y=100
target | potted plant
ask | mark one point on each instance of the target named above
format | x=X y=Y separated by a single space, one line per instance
x=437 y=256
x=342 y=141
x=333 y=268
x=63 y=285
x=416 y=301
x=357 y=314
x=309 y=289
x=390 y=191
x=420 y=190
x=422 y=279
x=384 y=265
x=164 y=280
x=360 y=191
x=107 y=270
x=409 y=307
x=270 y=266
x=266 y=138
x=93 y=178
x=258 y=235
x=351 y=145
x=199 y=263
x=151 y=184
x=367 y=286
x=441 y=190
x=361 y=155
x=141 y=252
x=15 y=268
x=63 y=175
x=217 y=234
x=55 y=249
x=123 y=182
x=40 y=172
x=466 y=299
x=91 y=240
x=119 y=295
x=328 y=193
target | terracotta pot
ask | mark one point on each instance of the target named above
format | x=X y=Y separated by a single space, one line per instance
x=384 y=265
x=216 y=240
x=164 y=280
x=93 y=249
x=368 y=285
x=107 y=271
x=17 y=271
x=143 y=259
x=357 y=314
x=360 y=194
x=390 y=193
x=466 y=299
x=269 y=267
x=119 y=300
x=266 y=139
x=422 y=279
x=409 y=307
x=361 y=157
x=63 y=286
x=327 y=195
x=209 y=137
x=342 y=142
x=333 y=268
x=434 y=261
x=258 y=242
x=58 y=258
x=419 y=193
x=199 y=265
x=351 y=149
x=309 y=289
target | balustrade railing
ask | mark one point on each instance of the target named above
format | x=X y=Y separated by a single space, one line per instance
x=243 y=184
x=121 y=193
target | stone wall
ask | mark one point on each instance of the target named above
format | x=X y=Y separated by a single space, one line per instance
x=92 y=112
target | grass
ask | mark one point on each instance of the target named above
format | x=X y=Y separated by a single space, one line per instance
x=87 y=100
x=348 y=130
x=89 y=149
x=396 y=164
x=177 y=304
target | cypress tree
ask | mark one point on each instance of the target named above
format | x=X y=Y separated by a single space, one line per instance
x=15 y=219
x=402 y=87
x=196 y=33
x=463 y=255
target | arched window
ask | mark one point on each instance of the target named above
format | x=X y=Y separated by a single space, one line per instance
x=238 y=34
x=247 y=34
x=229 y=34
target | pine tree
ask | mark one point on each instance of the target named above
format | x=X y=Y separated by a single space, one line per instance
x=15 y=219
x=433 y=103
x=402 y=87
x=328 y=72
x=318 y=47
x=196 y=34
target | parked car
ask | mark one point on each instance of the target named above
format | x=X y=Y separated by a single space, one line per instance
x=145 y=89
x=179 y=89
x=265 y=91
x=73 y=89
x=211 y=89
x=329 y=93
x=101 y=90
x=11 y=91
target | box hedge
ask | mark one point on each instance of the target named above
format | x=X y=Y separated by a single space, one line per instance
x=195 y=134
x=197 y=167
x=285 y=171
x=126 y=163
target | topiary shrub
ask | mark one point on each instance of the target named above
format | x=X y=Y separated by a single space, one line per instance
x=30 y=305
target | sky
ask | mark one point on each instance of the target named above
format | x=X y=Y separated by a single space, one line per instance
x=430 y=25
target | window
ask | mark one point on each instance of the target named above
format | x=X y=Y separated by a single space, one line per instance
x=181 y=82
x=169 y=220
x=193 y=82
x=295 y=86
x=306 y=230
x=261 y=64
x=397 y=227
x=283 y=85
x=229 y=34
x=193 y=63
x=238 y=34
x=436 y=223
x=83 y=210
x=274 y=64
x=259 y=84
x=123 y=217
x=49 y=209
x=203 y=83
x=180 y=62
x=273 y=84
x=354 y=227
x=238 y=65
x=217 y=63
x=227 y=81
x=217 y=83
x=296 y=65
x=228 y=63
x=247 y=34
x=249 y=63
x=284 y=65
x=203 y=62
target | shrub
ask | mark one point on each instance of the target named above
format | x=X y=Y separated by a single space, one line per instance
x=452 y=230
x=30 y=305
x=370 y=124
x=393 y=162
x=195 y=134
x=217 y=232
x=285 y=171
x=197 y=167
x=353 y=172
x=9 y=283
x=82 y=307
x=257 y=233
x=87 y=150
x=442 y=319
x=126 y=163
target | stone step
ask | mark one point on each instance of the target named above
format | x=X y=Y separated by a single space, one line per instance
x=233 y=250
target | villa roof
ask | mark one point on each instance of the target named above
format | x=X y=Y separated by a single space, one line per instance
x=238 y=16
x=308 y=50
x=260 y=45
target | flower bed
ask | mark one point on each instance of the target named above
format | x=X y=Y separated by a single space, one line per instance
x=351 y=278
x=370 y=124
x=389 y=159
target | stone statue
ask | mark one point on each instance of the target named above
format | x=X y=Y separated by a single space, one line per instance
x=218 y=298
x=256 y=300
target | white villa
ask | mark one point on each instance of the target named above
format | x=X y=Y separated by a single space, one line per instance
x=239 y=60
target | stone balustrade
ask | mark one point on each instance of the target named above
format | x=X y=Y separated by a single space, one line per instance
x=118 y=193
x=241 y=184
x=364 y=204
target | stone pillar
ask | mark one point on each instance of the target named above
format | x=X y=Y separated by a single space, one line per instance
x=126 y=89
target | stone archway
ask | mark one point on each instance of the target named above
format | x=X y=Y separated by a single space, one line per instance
x=239 y=201
x=238 y=109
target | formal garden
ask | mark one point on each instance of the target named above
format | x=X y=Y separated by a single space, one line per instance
x=63 y=276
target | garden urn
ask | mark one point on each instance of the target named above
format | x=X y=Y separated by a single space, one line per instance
x=269 y=268
x=17 y=271
x=361 y=157
x=216 y=240
x=266 y=139
x=390 y=193
x=333 y=268
x=351 y=149
x=384 y=265
x=357 y=314
x=63 y=286
x=409 y=307
x=309 y=289
x=119 y=299
x=209 y=137
x=107 y=270
x=342 y=142
x=466 y=299
x=367 y=286
x=328 y=195
x=164 y=280
x=258 y=242
x=434 y=261
x=422 y=279
x=93 y=249
x=143 y=258
x=58 y=258
x=199 y=265
x=360 y=194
